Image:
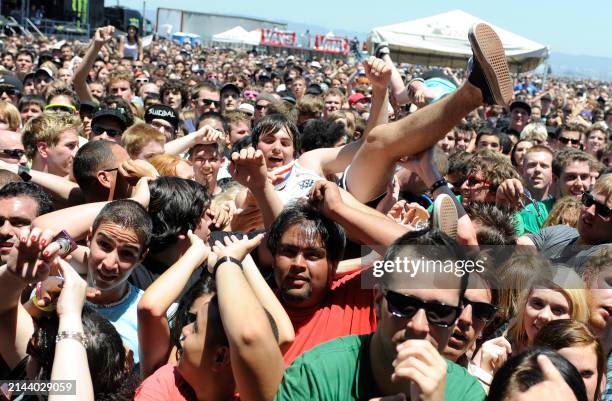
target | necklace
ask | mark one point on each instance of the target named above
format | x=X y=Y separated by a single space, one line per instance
x=113 y=304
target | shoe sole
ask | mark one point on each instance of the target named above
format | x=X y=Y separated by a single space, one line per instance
x=489 y=52
x=445 y=215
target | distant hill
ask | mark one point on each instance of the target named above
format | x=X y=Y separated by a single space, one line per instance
x=581 y=66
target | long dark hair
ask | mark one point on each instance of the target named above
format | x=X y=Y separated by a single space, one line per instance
x=105 y=355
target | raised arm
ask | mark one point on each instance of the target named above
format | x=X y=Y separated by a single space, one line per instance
x=379 y=75
x=153 y=328
x=77 y=220
x=203 y=136
x=256 y=359
x=70 y=359
x=101 y=36
x=249 y=169
x=365 y=228
x=64 y=192
x=265 y=295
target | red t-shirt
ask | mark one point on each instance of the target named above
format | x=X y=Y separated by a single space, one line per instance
x=347 y=310
x=167 y=384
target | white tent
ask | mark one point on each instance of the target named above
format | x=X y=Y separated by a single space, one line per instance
x=442 y=40
x=238 y=35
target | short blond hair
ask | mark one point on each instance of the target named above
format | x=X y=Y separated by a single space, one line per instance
x=135 y=138
x=11 y=115
x=47 y=128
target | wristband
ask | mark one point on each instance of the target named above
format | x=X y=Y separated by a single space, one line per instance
x=440 y=183
x=24 y=173
x=225 y=259
x=73 y=335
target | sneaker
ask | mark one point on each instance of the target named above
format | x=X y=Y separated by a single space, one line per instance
x=488 y=68
x=444 y=215
x=381 y=49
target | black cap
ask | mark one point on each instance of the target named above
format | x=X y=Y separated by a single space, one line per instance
x=110 y=113
x=6 y=80
x=162 y=112
x=233 y=87
x=314 y=89
x=520 y=104
x=88 y=105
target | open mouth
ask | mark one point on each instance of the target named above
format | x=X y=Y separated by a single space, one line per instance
x=275 y=160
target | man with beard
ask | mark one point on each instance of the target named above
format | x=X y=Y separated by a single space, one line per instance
x=20 y=204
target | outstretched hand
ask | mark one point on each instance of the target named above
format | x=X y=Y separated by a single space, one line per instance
x=237 y=248
x=33 y=257
x=325 y=195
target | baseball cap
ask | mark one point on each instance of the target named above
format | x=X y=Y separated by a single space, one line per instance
x=315 y=64
x=520 y=104
x=247 y=108
x=162 y=112
x=11 y=80
x=44 y=70
x=110 y=113
x=233 y=87
x=357 y=97
x=314 y=89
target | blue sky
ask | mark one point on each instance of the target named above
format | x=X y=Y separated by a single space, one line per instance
x=579 y=28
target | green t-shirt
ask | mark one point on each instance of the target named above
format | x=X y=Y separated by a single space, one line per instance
x=340 y=370
x=531 y=222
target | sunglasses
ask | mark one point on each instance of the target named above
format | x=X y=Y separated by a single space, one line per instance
x=142 y=80
x=97 y=130
x=565 y=140
x=600 y=208
x=473 y=181
x=61 y=107
x=481 y=310
x=10 y=91
x=13 y=153
x=251 y=94
x=260 y=106
x=406 y=306
x=209 y=102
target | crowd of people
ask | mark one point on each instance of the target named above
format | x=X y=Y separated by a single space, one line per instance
x=188 y=223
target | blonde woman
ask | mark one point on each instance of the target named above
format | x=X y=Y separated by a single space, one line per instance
x=553 y=294
x=10 y=119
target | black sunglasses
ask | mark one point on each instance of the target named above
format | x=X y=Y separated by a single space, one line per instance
x=13 y=153
x=565 y=140
x=97 y=130
x=9 y=91
x=481 y=310
x=600 y=208
x=209 y=102
x=406 y=306
x=260 y=106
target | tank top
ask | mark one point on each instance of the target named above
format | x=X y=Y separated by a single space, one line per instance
x=130 y=50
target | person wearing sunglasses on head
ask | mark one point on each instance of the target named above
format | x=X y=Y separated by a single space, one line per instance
x=11 y=148
x=416 y=317
x=573 y=247
x=107 y=124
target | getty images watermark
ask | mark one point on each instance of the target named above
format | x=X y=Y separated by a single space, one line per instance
x=414 y=266
x=498 y=267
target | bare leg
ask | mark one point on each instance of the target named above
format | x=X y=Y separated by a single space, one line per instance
x=373 y=164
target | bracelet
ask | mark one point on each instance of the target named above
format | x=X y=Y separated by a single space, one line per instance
x=440 y=183
x=73 y=335
x=226 y=259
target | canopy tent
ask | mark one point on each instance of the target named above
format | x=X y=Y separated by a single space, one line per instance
x=238 y=35
x=442 y=40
